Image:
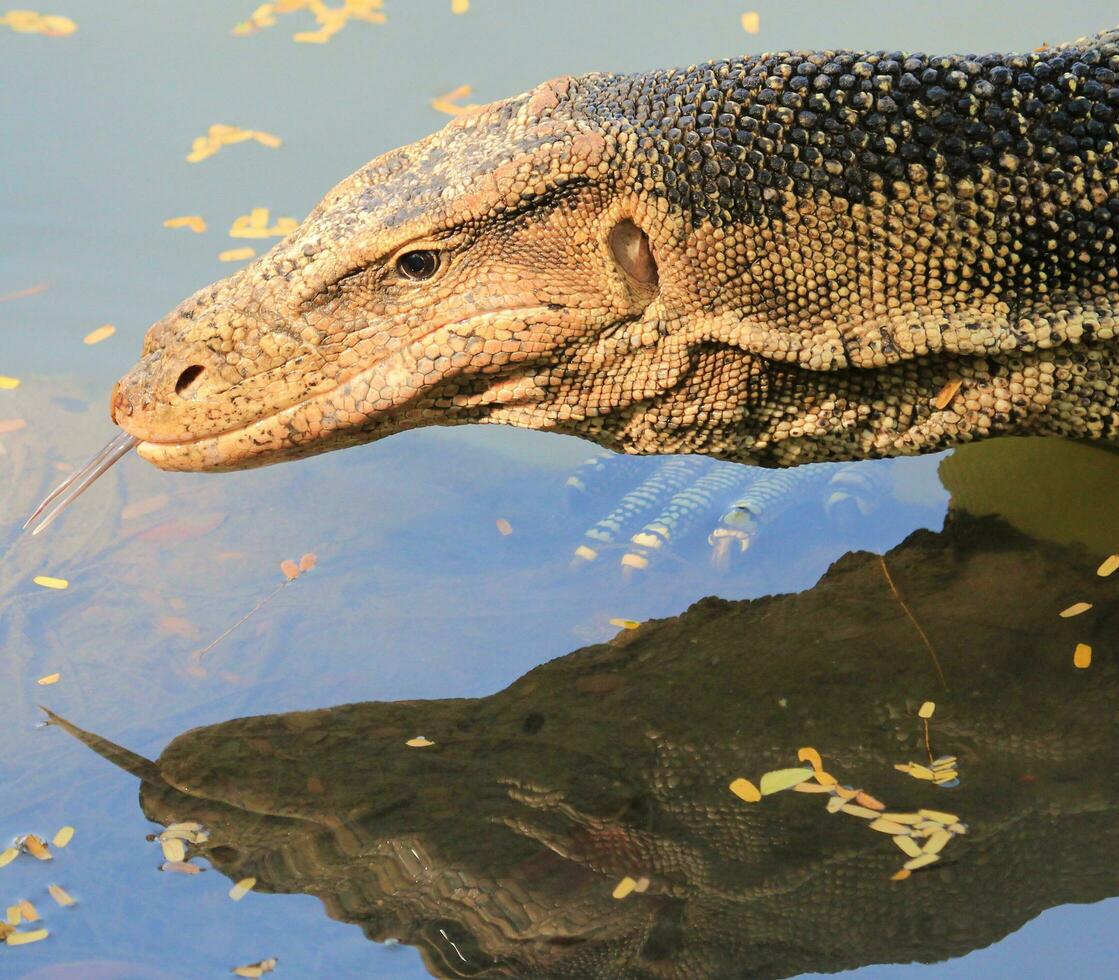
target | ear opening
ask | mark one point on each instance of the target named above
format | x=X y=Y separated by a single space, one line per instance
x=630 y=246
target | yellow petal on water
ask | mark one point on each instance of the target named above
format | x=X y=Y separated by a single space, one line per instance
x=504 y=526
x=241 y=889
x=48 y=680
x=289 y=568
x=811 y=787
x=844 y=793
x=937 y=840
x=181 y=867
x=945 y=776
x=236 y=254
x=835 y=804
x=909 y=818
x=779 y=779
x=884 y=826
x=23 y=938
x=308 y=561
x=60 y=895
x=812 y=757
x=865 y=799
x=1075 y=610
x=900 y=875
x=13 y=916
x=826 y=779
x=8 y=383
x=8 y=855
x=859 y=811
x=1110 y=563
x=36 y=847
x=1082 y=656
x=919 y=862
x=174 y=850
x=104 y=332
x=624 y=887
x=267 y=139
x=641 y=885
x=939 y=816
x=745 y=790
x=460 y=6
x=48 y=582
x=448 y=103
x=256 y=969
x=195 y=222
x=917 y=771
x=944 y=762
x=29 y=912
x=141 y=508
x=53 y=25
x=926 y=710
x=625 y=624
x=419 y=742
x=11 y=425
x=907 y=844
x=751 y=22
x=947 y=393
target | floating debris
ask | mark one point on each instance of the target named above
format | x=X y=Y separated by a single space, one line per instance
x=780 y=779
x=1110 y=563
x=1075 y=610
x=751 y=22
x=221 y=135
x=48 y=680
x=23 y=938
x=1082 y=656
x=242 y=888
x=30 y=22
x=255 y=225
x=329 y=19
x=7 y=383
x=745 y=790
x=61 y=895
x=236 y=254
x=947 y=393
x=256 y=969
x=419 y=742
x=624 y=887
x=49 y=582
x=504 y=526
x=194 y=222
x=103 y=332
x=448 y=102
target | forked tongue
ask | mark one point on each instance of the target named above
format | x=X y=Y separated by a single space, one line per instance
x=81 y=480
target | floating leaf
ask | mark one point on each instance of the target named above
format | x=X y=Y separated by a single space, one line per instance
x=241 y=889
x=308 y=561
x=1082 y=656
x=751 y=22
x=504 y=526
x=745 y=790
x=624 y=887
x=174 y=850
x=47 y=582
x=103 y=332
x=1110 y=563
x=1075 y=610
x=779 y=779
x=419 y=742
x=194 y=222
x=8 y=855
x=7 y=383
x=926 y=710
x=48 y=680
x=60 y=895
x=236 y=254
x=290 y=569
x=947 y=393
x=625 y=624
x=23 y=938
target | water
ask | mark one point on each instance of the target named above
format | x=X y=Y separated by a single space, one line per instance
x=417 y=594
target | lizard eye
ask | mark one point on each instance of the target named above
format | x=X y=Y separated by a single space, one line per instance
x=420 y=264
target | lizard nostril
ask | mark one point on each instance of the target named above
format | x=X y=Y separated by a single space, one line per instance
x=188 y=378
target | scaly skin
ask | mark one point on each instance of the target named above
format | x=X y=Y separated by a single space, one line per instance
x=776 y=260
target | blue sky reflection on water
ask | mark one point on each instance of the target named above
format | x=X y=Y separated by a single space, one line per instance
x=416 y=595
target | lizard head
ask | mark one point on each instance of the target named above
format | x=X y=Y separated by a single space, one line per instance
x=493 y=272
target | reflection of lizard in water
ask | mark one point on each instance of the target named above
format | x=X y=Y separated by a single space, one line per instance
x=495 y=850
